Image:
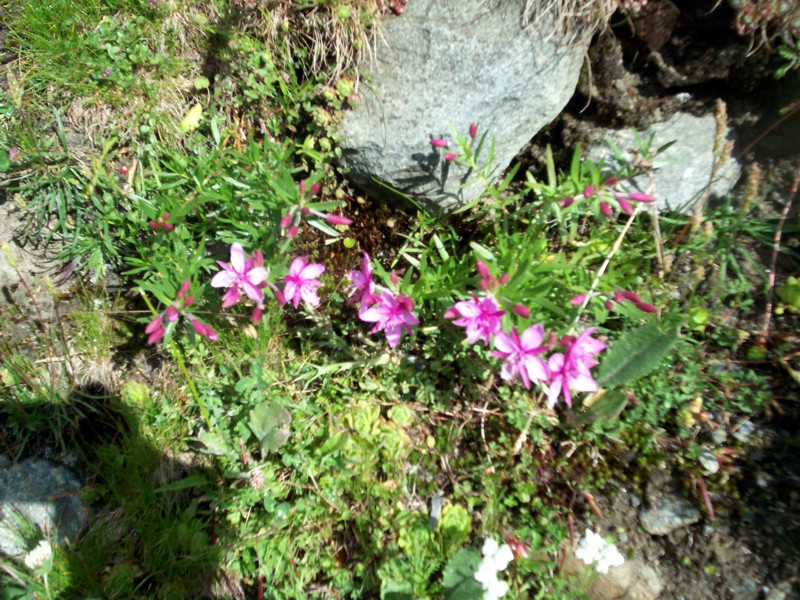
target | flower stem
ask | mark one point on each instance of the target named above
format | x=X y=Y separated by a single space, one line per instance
x=601 y=271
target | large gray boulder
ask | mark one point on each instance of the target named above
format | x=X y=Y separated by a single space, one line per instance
x=445 y=64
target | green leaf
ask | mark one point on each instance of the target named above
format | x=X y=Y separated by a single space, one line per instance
x=335 y=443
x=201 y=83
x=458 y=579
x=188 y=482
x=636 y=355
x=396 y=590
x=214 y=444
x=607 y=407
x=269 y=422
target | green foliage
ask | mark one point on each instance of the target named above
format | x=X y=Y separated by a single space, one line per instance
x=636 y=355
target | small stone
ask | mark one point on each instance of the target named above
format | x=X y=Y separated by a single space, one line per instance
x=744 y=431
x=667 y=509
x=719 y=436
x=708 y=460
x=634 y=579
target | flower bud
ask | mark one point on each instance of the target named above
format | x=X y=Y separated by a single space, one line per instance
x=640 y=197
x=521 y=311
x=338 y=220
x=605 y=208
x=256 y=316
x=292 y=232
x=302 y=187
x=578 y=300
x=156 y=335
x=172 y=313
x=286 y=221
x=184 y=288
x=588 y=191
x=315 y=188
x=473 y=130
x=565 y=202
x=625 y=205
x=153 y=325
x=450 y=156
x=440 y=143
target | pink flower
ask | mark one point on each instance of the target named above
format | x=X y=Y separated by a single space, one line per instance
x=521 y=355
x=473 y=130
x=480 y=317
x=241 y=275
x=362 y=286
x=605 y=208
x=569 y=372
x=392 y=315
x=588 y=191
x=301 y=282
x=440 y=143
x=450 y=156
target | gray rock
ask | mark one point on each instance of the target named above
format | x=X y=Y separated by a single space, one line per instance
x=634 y=580
x=41 y=497
x=445 y=64
x=683 y=172
x=708 y=460
x=667 y=510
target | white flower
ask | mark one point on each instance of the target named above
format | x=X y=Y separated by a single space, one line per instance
x=495 y=559
x=39 y=555
x=593 y=549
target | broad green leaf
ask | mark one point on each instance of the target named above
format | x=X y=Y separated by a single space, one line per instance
x=458 y=579
x=214 y=444
x=636 y=354
x=605 y=405
x=397 y=590
x=269 y=422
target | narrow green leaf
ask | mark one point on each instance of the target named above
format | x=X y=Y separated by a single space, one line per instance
x=440 y=247
x=183 y=484
x=482 y=251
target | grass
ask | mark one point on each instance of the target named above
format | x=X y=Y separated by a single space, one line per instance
x=299 y=456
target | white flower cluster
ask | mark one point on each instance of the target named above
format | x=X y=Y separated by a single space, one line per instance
x=594 y=549
x=495 y=559
x=39 y=555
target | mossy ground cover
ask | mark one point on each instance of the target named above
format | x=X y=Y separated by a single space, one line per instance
x=267 y=448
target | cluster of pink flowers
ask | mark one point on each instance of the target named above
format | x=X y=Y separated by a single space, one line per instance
x=607 y=191
x=291 y=221
x=156 y=329
x=392 y=312
x=443 y=143
x=523 y=354
x=563 y=372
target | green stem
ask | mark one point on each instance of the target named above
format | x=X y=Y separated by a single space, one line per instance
x=177 y=356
